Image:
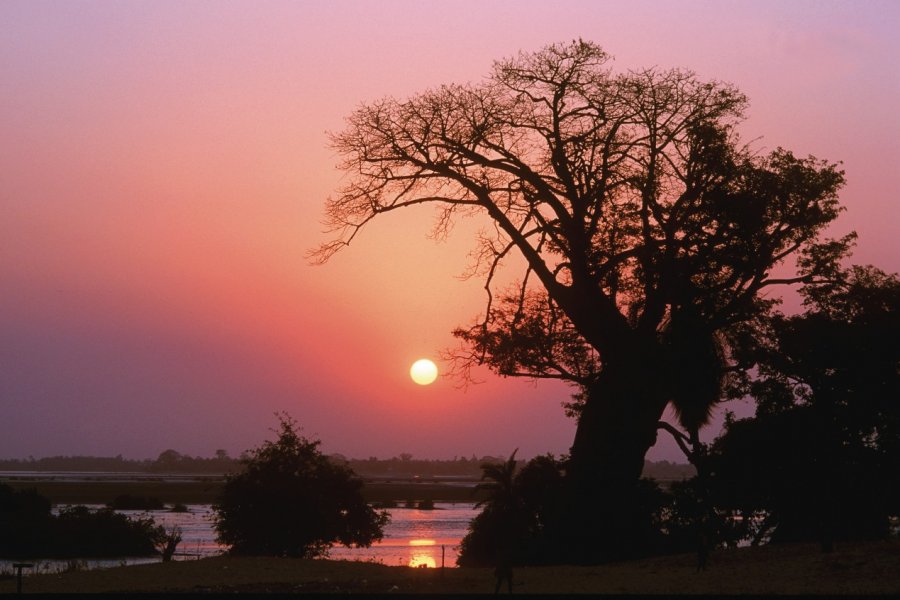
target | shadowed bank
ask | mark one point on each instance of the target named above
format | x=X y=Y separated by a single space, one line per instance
x=854 y=568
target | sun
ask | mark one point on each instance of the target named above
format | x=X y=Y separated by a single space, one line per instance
x=423 y=371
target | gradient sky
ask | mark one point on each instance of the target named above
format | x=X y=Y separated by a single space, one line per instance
x=163 y=168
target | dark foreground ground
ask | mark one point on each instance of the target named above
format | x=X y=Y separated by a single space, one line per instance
x=860 y=568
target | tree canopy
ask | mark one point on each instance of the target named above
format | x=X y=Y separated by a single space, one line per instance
x=630 y=196
x=649 y=234
x=818 y=456
x=291 y=500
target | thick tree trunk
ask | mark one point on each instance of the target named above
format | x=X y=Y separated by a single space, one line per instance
x=605 y=514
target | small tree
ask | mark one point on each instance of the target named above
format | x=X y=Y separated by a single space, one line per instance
x=290 y=500
x=518 y=514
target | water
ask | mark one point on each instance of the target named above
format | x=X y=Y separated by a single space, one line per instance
x=413 y=537
x=417 y=537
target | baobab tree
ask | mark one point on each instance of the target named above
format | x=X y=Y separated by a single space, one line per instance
x=649 y=231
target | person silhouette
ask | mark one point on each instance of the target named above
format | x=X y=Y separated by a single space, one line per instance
x=702 y=549
x=503 y=571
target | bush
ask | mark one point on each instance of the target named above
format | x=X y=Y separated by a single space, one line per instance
x=28 y=529
x=290 y=500
x=25 y=521
x=811 y=486
x=85 y=533
x=515 y=526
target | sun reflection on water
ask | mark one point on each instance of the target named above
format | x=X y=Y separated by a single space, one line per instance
x=424 y=554
x=422 y=560
x=426 y=538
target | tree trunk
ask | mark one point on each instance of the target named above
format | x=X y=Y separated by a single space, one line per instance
x=606 y=515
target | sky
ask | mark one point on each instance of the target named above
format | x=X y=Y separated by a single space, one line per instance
x=163 y=171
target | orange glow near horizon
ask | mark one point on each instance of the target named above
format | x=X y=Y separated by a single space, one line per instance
x=165 y=168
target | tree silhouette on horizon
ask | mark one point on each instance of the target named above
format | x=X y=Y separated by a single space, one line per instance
x=649 y=233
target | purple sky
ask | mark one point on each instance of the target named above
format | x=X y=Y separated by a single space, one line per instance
x=164 y=168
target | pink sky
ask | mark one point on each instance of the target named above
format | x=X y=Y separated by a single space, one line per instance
x=163 y=168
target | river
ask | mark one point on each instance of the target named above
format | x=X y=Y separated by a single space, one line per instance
x=426 y=538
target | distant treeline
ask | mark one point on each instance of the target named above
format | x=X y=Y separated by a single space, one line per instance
x=168 y=461
x=404 y=465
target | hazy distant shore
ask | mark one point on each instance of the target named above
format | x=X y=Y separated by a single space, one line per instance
x=98 y=480
x=172 y=488
x=94 y=489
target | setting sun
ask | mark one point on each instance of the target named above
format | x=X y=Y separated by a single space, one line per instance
x=423 y=371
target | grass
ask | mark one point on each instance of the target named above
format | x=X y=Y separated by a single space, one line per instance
x=853 y=568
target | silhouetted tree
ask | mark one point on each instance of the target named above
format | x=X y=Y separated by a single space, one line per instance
x=79 y=531
x=691 y=519
x=24 y=522
x=819 y=456
x=500 y=484
x=29 y=530
x=779 y=474
x=290 y=500
x=499 y=535
x=840 y=357
x=168 y=541
x=648 y=233
x=519 y=523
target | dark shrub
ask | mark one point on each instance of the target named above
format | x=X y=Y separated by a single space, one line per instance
x=291 y=500
x=28 y=529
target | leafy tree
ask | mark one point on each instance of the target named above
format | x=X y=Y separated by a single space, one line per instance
x=789 y=483
x=648 y=232
x=841 y=357
x=819 y=456
x=290 y=500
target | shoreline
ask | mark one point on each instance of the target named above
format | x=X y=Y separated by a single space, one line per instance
x=204 y=489
x=853 y=568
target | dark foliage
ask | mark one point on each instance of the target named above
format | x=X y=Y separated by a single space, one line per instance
x=691 y=519
x=510 y=528
x=28 y=529
x=650 y=235
x=820 y=455
x=82 y=532
x=291 y=500
x=625 y=524
x=24 y=522
x=798 y=483
x=522 y=518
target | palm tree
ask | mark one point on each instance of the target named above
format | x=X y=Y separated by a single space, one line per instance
x=500 y=485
